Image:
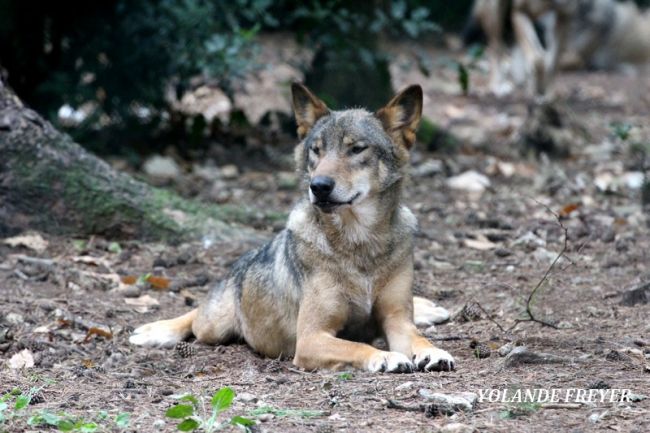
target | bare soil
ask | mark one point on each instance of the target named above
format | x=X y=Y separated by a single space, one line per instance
x=48 y=309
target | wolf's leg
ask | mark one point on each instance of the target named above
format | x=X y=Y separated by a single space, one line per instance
x=533 y=51
x=324 y=312
x=212 y=323
x=394 y=308
x=491 y=15
x=164 y=333
x=427 y=313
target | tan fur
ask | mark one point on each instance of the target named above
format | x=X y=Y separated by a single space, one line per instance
x=331 y=276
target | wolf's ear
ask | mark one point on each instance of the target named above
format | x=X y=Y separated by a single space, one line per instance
x=402 y=114
x=307 y=108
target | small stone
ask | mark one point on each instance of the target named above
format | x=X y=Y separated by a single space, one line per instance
x=521 y=356
x=246 y=397
x=595 y=417
x=404 y=386
x=161 y=167
x=448 y=404
x=266 y=417
x=505 y=349
x=599 y=384
x=428 y=168
x=456 y=427
x=229 y=171
x=14 y=319
x=502 y=252
x=616 y=356
x=470 y=181
x=608 y=236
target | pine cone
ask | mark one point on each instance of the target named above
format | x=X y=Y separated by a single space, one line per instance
x=37 y=398
x=470 y=312
x=480 y=350
x=185 y=349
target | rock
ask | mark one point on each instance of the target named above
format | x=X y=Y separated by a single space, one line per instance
x=229 y=171
x=521 y=355
x=638 y=295
x=22 y=359
x=246 y=397
x=404 y=386
x=161 y=168
x=429 y=168
x=502 y=252
x=530 y=241
x=14 y=319
x=595 y=417
x=33 y=241
x=448 y=404
x=265 y=417
x=617 y=356
x=470 y=181
x=456 y=427
x=506 y=349
x=609 y=235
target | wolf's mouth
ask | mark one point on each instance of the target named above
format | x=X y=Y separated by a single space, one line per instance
x=328 y=206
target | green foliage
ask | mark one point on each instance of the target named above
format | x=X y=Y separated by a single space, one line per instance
x=519 y=410
x=621 y=130
x=191 y=413
x=346 y=375
x=61 y=421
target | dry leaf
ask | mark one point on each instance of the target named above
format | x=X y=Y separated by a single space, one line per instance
x=33 y=241
x=479 y=244
x=97 y=331
x=22 y=359
x=566 y=210
x=129 y=279
x=88 y=363
x=142 y=303
x=158 y=282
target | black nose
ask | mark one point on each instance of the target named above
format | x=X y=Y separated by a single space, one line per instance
x=322 y=186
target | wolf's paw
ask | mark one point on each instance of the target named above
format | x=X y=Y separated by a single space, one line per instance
x=427 y=313
x=156 y=334
x=390 y=362
x=433 y=359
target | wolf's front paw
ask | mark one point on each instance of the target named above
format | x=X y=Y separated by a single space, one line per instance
x=434 y=359
x=390 y=362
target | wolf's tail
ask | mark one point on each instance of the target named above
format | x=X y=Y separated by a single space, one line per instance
x=164 y=333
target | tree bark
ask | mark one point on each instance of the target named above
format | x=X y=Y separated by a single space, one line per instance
x=50 y=183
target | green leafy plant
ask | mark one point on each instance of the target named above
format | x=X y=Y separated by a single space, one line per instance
x=621 y=130
x=191 y=411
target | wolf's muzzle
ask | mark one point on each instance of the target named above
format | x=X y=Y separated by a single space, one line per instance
x=322 y=187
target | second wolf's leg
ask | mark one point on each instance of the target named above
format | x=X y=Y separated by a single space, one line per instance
x=533 y=51
x=395 y=313
x=491 y=15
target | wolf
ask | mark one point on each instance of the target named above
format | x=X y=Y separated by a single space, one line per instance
x=341 y=273
x=593 y=34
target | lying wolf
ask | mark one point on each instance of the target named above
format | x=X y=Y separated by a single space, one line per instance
x=602 y=34
x=341 y=273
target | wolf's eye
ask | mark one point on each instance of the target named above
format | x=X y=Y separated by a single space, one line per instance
x=316 y=150
x=358 y=148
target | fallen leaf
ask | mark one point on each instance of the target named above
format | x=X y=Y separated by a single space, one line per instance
x=158 y=282
x=33 y=241
x=22 y=359
x=566 y=210
x=99 y=332
x=142 y=303
x=479 y=244
x=88 y=363
x=129 y=279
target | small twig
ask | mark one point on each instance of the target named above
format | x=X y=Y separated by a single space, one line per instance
x=561 y=405
x=451 y=338
x=490 y=317
x=392 y=404
x=531 y=296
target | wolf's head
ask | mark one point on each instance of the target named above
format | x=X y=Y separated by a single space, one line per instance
x=352 y=156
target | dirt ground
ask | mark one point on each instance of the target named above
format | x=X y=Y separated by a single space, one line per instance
x=489 y=249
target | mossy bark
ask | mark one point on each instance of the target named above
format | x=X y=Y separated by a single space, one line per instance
x=50 y=183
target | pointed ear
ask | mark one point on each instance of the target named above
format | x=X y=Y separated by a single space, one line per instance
x=402 y=114
x=307 y=108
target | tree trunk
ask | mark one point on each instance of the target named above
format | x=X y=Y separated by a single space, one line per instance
x=50 y=183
